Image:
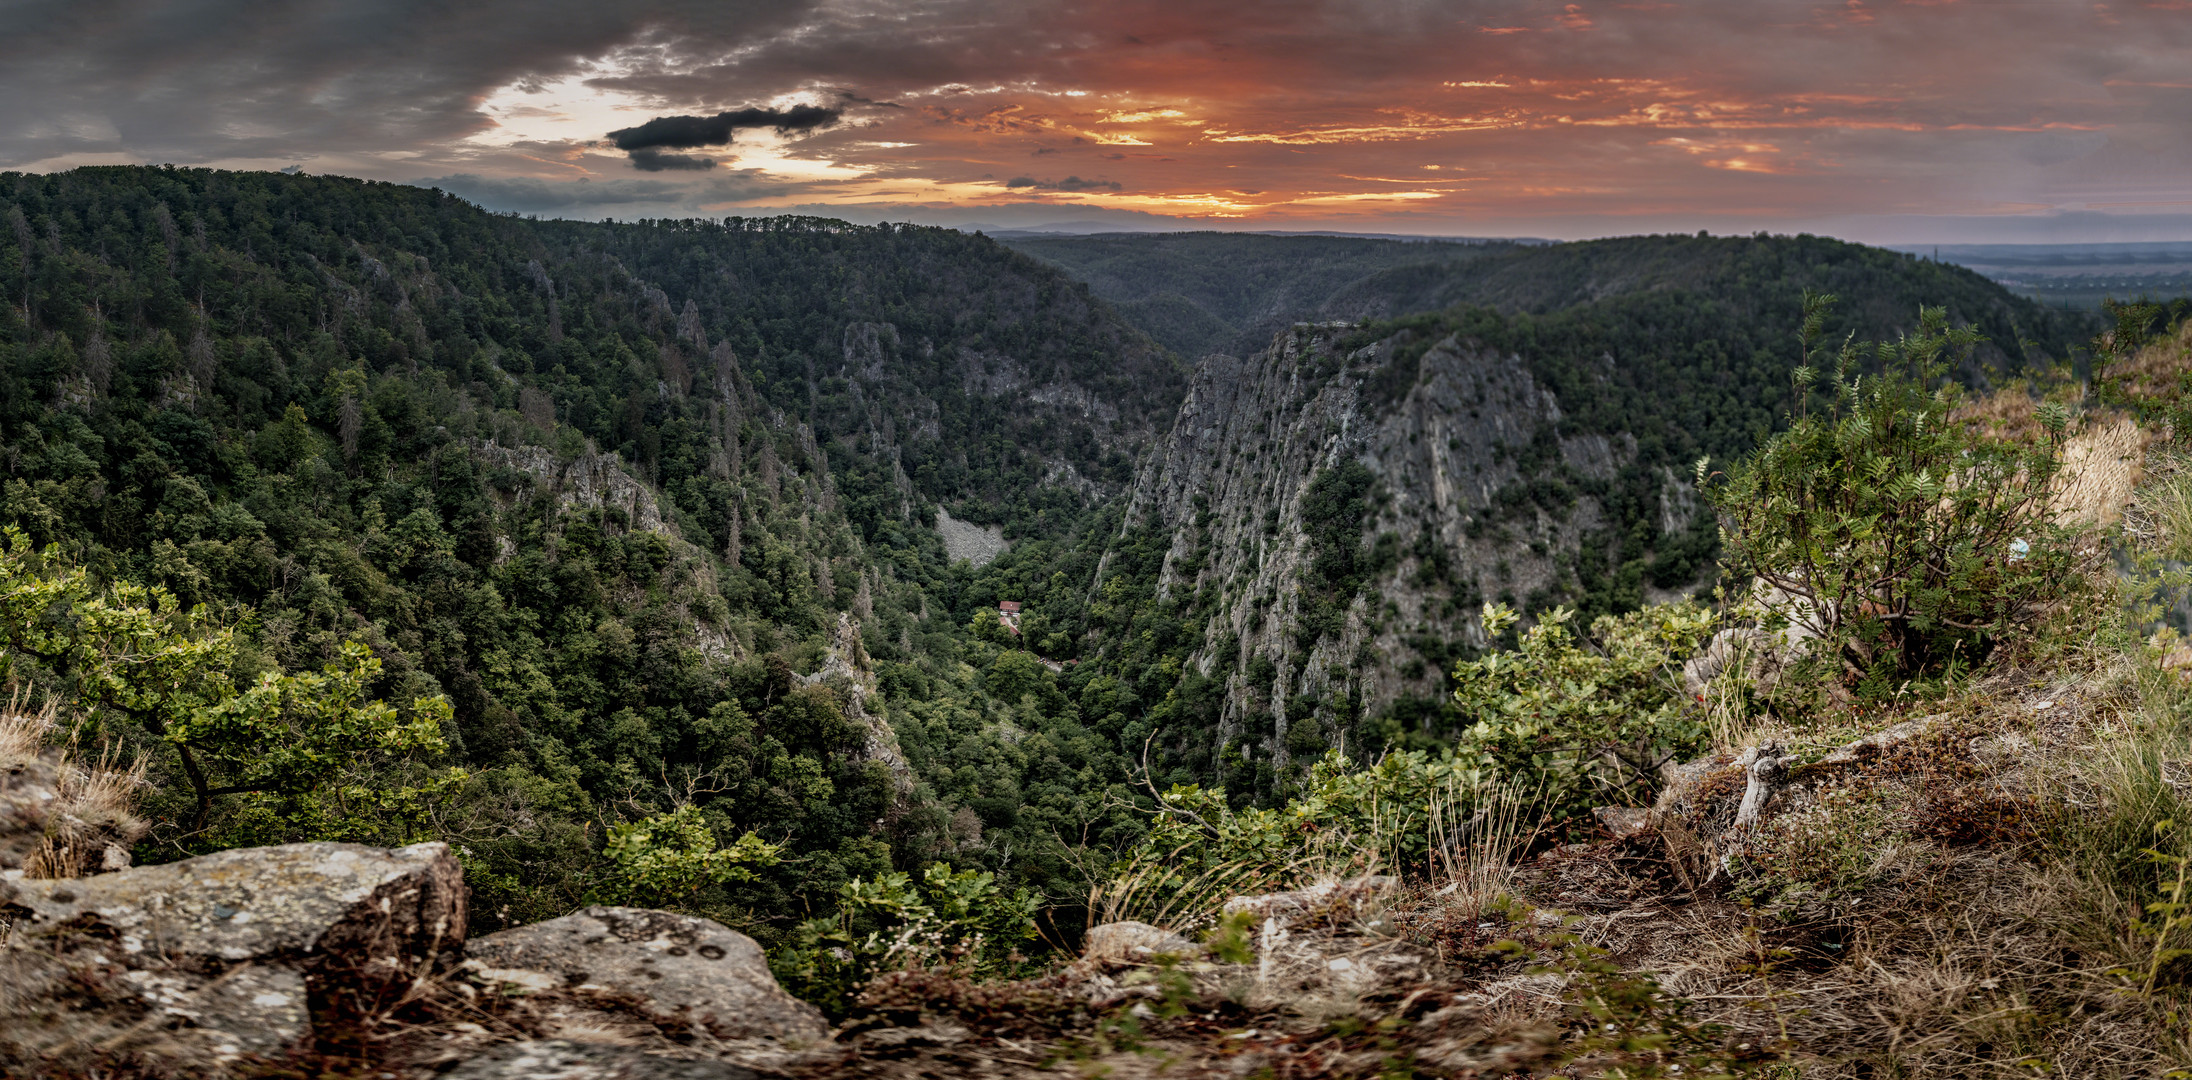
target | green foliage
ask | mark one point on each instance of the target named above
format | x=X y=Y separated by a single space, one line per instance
x=135 y=651
x=1204 y=292
x=1585 y=722
x=667 y=857
x=2166 y=919
x=369 y=412
x=959 y=920
x=1345 y=820
x=1885 y=529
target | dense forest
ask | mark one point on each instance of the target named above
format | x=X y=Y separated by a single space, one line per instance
x=1204 y=292
x=352 y=411
x=619 y=491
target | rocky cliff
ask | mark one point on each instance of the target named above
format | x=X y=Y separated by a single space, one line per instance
x=1351 y=507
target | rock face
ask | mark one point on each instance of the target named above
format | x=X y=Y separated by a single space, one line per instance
x=231 y=954
x=680 y=969
x=590 y=481
x=1457 y=442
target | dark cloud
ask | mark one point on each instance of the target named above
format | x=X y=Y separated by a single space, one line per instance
x=647 y=159
x=1070 y=183
x=210 y=80
x=689 y=132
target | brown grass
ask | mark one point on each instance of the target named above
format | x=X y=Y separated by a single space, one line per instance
x=93 y=821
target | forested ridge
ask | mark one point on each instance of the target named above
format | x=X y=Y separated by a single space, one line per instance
x=368 y=411
x=610 y=487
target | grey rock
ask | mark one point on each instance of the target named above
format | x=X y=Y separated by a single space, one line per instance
x=1134 y=942
x=1327 y=902
x=978 y=544
x=675 y=967
x=377 y=908
x=1623 y=822
x=560 y=1059
x=220 y=956
x=1439 y=433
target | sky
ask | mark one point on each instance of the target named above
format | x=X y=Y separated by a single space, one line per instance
x=1886 y=121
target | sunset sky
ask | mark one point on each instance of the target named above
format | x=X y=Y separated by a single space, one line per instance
x=1914 y=121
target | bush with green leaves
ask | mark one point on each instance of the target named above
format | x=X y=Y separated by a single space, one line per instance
x=1880 y=526
x=1561 y=723
x=956 y=919
x=666 y=857
x=125 y=657
x=1585 y=721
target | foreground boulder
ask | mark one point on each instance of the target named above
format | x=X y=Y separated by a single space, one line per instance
x=212 y=959
x=562 y=1059
x=675 y=969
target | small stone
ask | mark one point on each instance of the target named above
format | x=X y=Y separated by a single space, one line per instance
x=1623 y=822
x=1134 y=943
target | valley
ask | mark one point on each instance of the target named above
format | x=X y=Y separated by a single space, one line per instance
x=832 y=582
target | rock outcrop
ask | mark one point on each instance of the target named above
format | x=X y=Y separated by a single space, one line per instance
x=676 y=969
x=1478 y=490
x=1134 y=942
x=208 y=960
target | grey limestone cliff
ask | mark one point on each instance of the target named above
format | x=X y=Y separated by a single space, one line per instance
x=1453 y=438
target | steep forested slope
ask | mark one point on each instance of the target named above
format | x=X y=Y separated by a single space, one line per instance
x=1307 y=550
x=606 y=486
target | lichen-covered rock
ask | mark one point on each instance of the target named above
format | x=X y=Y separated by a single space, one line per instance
x=236 y=953
x=675 y=968
x=1134 y=943
x=561 y=1059
x=1333 y=902
x=377 y=909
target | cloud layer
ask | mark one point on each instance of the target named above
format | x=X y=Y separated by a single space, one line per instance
x=1958 y=120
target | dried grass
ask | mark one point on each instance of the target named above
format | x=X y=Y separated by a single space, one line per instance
x=2101 y=468
x=1476 y=854
x=93 y=820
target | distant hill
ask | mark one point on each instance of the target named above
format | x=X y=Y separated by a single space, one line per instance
x=1195 y=291
x=1205 y=292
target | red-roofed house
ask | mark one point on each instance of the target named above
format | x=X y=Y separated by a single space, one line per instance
x=1008 y=613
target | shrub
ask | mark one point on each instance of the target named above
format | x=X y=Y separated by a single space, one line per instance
x=1903 y=543
x=665 y=857
x=1580 y=721
x=959 y=920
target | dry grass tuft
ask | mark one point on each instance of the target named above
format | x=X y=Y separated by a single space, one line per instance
x=93 y=820
x=2101 y=468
